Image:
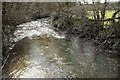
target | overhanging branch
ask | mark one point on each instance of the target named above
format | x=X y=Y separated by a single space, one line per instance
x=109 y=19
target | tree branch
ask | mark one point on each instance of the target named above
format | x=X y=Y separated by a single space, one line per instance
x=109 y=19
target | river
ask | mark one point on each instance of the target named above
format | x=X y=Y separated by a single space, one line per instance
x=40 y=52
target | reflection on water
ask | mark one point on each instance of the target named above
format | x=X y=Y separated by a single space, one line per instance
x=51 y=57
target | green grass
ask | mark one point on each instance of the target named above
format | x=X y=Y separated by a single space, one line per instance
x=90 y=14
x=108 y=14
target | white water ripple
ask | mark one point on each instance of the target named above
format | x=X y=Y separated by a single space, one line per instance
x=35 y=29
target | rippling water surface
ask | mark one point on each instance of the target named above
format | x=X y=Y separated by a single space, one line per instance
x=40 y=52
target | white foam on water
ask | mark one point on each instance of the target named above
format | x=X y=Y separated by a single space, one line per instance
x=35 y=28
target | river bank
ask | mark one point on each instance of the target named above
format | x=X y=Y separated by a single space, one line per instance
x=48 y=54
x=59 y=40
x=67 y=18
x=85 y=34
x=107 y=39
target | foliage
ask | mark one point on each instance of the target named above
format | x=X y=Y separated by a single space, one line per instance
x=71 y=18
x=79 y=22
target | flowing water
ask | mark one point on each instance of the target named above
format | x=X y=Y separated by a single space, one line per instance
x=40 y=52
